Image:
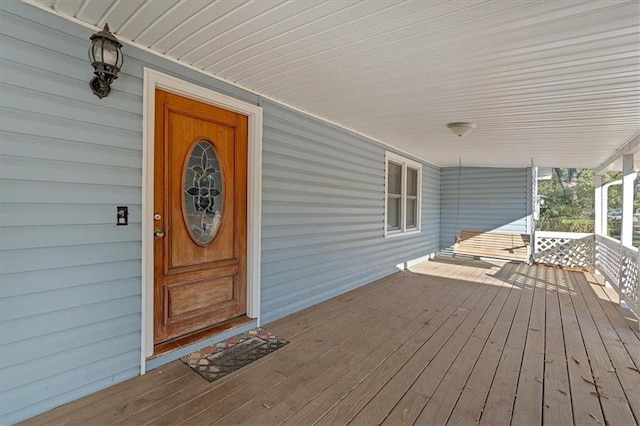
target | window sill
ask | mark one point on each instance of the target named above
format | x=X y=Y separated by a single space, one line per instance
x=396 y=234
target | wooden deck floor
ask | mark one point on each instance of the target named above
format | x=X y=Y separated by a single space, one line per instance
x=448 y=343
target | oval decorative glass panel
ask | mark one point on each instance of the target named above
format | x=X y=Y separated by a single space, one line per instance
x=203 y=193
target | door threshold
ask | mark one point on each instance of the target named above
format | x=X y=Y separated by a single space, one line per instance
x=181 y=342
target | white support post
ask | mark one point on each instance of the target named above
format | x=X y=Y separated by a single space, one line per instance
x=628 y=178
x=600 y=212
x=604 y=210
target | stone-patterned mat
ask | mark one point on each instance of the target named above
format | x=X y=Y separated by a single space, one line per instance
x=216 y=361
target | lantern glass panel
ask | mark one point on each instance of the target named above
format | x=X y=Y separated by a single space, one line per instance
x=109 y=53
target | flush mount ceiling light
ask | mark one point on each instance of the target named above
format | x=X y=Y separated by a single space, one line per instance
x=462 y=128
x=106 y=58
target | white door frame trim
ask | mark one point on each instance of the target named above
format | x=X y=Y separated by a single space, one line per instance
x=155 y=80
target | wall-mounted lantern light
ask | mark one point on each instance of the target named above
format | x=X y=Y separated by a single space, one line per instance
x=106 y=58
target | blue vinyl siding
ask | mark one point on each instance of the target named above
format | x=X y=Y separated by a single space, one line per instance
x=70 y=305
x=491 y=199
x=323 y=213
x=70 y=293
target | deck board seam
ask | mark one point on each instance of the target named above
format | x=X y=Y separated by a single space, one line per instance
x=513 y=405
x=460 y=303
x=598 y=327
x=502 y=351
x=468 y=311
x=428 y=397
x=479 y=353
x=577 y=290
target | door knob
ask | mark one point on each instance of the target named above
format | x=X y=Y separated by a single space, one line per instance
x=158 y=233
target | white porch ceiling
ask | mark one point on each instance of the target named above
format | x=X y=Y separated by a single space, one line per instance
x=555 y=81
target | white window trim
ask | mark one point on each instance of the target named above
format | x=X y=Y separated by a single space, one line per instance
x=405 y=162
x=152 y=80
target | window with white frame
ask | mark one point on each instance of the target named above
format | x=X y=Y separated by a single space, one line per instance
x=403 y=195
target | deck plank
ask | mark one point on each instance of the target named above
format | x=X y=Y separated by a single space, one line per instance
x=316 y=406
x=290 y=354
x=618 y=355
x=612 y=398
x=250 y=413
x=529 y=393
x=394 y=391
x=348 y=354
x=628 y=336
x=451 y=341
x=358 y=351
x=265 y=370
x=441 y=402
x=467 y=274
x=585 y=404
x=442 y=366
x=499 y=404
x=359 y=396
x=557 y=407
x=80 y=411
x=470 y=404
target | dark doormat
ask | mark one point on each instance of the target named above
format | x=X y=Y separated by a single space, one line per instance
x=216 y=361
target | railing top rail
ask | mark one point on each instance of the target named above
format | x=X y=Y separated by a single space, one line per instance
x=616 y=242
x=572 y=235
x=608 y=238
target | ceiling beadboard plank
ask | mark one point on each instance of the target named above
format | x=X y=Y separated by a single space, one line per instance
x=258 y=44
x=337 y=13
x=68 y=7
x=259 y=28
x=360 y=21
x=166 y=24
x=143 y=17
x=376 y=44
x=119 y=13
x=210 y=22
x=553 y=81
x=503 y=85
x=397 y=55
x=93 y=10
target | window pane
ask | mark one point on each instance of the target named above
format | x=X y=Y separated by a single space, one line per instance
x=412 y=213
x=393 y=213
x=394 y=178
x=412 y=182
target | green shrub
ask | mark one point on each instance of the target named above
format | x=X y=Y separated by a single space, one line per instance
x=566 y=224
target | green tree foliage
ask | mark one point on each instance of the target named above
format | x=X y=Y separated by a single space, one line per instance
x=569 y=200
x=569 y=193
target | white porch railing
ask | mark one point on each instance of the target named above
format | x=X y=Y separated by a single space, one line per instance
x=620 y=266
x=564 y=249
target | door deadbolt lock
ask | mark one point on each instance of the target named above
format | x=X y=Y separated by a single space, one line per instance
x=158 y=233
x=157 y=216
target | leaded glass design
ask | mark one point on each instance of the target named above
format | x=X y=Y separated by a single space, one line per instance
x=203 y=193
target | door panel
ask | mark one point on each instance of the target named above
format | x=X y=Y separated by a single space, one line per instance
x=200 y=216
x=189 y=298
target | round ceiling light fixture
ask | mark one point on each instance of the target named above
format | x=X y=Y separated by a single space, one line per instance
x=461 y=128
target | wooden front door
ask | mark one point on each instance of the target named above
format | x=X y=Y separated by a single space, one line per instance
x=200 y=216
